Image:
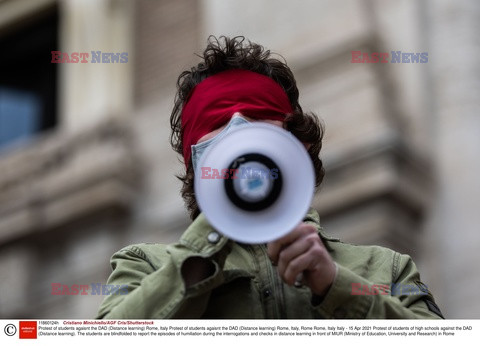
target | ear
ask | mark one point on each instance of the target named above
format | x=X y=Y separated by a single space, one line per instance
x=307 y=146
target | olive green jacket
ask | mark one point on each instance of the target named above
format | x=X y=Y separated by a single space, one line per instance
x=246 y=285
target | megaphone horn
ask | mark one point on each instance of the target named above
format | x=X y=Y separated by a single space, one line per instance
x=265 y=186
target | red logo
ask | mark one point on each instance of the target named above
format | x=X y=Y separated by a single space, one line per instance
x=28 y=329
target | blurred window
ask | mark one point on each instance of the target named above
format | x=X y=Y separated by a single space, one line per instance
x=28 y=80
x=20 y=114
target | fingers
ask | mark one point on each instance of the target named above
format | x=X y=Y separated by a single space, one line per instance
x=302 y=252
x=291 y=252
x=274 y=248
x=303 y=255
x=288 y=253
x=294 y=268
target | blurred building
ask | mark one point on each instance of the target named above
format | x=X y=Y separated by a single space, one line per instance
x=86 y=166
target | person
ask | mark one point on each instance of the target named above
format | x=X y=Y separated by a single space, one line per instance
x=206 y=275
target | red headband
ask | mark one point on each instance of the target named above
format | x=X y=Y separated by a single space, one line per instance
x=214 y=101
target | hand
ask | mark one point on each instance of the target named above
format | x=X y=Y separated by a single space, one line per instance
x=302 y=251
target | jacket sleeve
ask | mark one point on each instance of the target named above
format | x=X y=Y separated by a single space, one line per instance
x=157 y=291
x=395 y=300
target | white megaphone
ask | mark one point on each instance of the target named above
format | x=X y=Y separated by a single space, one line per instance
x=255 y=184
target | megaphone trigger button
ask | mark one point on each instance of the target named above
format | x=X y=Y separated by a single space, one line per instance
x=213 y=237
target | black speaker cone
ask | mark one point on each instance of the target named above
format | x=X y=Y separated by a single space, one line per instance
x=254 y=182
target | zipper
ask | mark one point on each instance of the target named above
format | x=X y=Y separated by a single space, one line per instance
x=277 y=285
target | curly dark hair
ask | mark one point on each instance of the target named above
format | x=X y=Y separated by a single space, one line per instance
x=226 y=53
